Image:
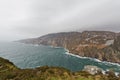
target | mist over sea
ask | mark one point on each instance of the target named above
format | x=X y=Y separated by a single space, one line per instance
x=32 y=56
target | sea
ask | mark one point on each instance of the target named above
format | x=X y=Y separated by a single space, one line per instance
x=32 y=56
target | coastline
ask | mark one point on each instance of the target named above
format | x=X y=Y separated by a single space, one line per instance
x=72 y=54
x=103 y=71
x=67 y=52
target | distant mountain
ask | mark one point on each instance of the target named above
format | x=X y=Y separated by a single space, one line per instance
x=103 y=45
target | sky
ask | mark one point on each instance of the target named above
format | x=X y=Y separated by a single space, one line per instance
x=21 y=19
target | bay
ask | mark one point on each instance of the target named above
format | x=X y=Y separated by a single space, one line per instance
x=32 y=56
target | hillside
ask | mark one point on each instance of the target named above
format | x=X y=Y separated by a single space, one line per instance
x=95 y=44
x=8 y=71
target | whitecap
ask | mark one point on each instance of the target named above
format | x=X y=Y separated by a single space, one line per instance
x=97 y=60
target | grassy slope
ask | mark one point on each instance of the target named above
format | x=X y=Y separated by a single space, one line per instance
x=8 y=71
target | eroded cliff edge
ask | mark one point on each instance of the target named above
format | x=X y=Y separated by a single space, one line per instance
x=103 y=45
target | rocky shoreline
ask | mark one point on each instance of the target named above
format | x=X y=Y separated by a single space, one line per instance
x=72 y=54
x=101 y=45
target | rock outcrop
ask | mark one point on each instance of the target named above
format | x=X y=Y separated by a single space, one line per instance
x=103 y=45
x=92 y=69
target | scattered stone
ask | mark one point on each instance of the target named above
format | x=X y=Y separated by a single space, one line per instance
x=92 y=69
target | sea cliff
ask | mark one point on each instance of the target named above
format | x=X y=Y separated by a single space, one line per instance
x=102 y=45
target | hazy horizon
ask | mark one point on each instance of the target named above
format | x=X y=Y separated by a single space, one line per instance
x=22 y=19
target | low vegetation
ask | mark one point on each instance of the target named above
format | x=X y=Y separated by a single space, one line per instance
x=8 y=71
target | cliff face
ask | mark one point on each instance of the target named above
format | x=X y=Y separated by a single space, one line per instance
x=103 y=45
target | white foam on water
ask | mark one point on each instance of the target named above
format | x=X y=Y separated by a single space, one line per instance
x=106 y=62
x=116 y=73
x=36 y=45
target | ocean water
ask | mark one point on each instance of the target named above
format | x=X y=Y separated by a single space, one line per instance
x=32 y=56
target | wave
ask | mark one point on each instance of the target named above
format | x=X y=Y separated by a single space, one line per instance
x=97 y=60
x=68 y=53
x=55 y=47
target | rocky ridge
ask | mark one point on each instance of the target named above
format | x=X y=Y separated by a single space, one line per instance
x=102 y=45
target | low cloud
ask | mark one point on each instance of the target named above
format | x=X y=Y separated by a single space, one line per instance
x=29 y=18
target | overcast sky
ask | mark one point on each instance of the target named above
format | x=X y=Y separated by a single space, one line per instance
x=31 y=18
